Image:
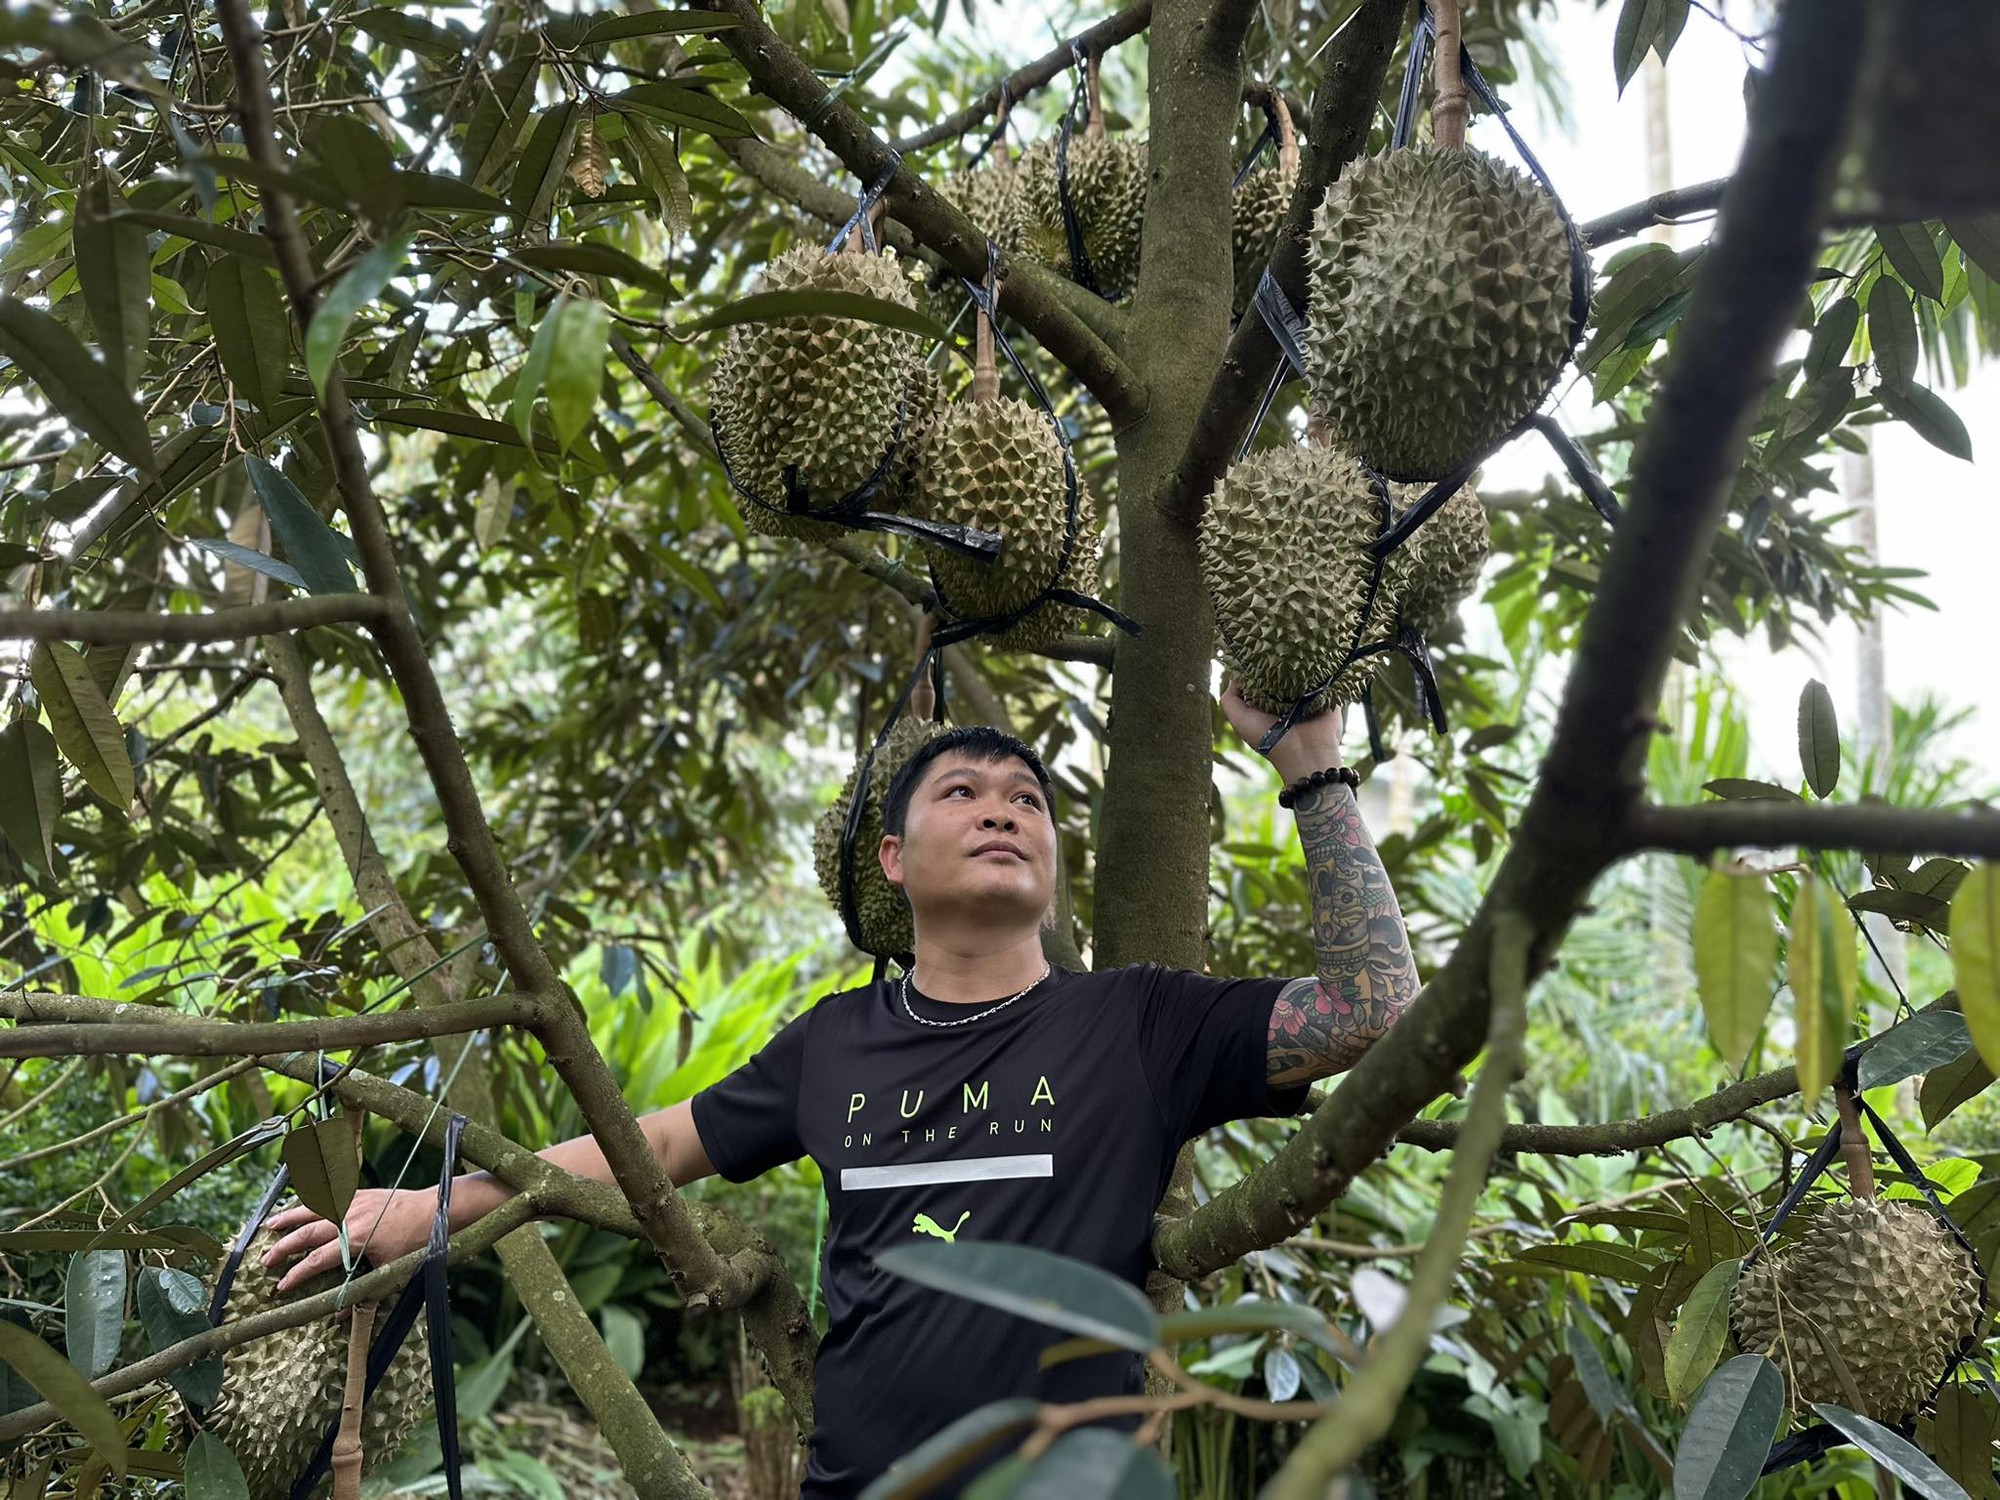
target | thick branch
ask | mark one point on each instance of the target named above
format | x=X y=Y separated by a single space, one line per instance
x=1971 y=833
x=110 y=627
x=1343 y=108
x=1764 y=254
x=136 y=1030
x=783 y=76
x=1661 y=208
x=1022 y=82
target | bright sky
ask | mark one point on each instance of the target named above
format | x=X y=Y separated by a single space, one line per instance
x=1936 y=512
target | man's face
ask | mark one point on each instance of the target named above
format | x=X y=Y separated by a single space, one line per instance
x=977 y=838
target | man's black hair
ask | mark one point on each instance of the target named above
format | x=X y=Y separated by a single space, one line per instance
x=980 y=742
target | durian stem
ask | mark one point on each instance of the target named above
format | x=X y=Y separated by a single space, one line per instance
x=1451 y=105
x=1288 y=135
x=1094 y=127
x=985 y=363
x=347 y=1446
x=1316 y=430
x=923 y=698
x=1000 y=153
x=1854 y=1147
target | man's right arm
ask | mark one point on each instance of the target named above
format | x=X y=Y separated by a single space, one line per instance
x=669 y=1131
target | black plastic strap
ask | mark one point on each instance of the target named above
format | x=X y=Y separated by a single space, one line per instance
x=864 y=205
x=999 y=128
x=1376 y=746
x=1079 y=258
x=1413 y=79
x=1580 y=468
x=227 y=1278
x=1286 y=322
x=1268 y=138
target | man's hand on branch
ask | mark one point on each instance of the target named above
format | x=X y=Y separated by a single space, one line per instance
x=382 y=1223
x=1309 y=745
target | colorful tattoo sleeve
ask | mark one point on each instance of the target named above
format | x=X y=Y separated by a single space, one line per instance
x=1366 y=976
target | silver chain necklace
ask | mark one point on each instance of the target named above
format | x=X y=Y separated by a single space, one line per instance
x=922 y=1021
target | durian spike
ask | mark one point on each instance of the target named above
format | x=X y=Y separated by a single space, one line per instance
x=923 y=697
x=1451 y=105
x=1854 y=1147
x=1095 y=127
x=347 y=1453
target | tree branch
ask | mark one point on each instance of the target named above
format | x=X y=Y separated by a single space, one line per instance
x=1661 y=208
x=1687 y=457
x=784 y=77
x=32 y=1036
x=1343 y=108
x=1972 y=833
x=1022 y=82
x=106 y=627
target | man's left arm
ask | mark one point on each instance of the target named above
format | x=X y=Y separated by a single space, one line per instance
x=1367 y=978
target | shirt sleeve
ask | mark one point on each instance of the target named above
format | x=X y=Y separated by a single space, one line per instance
x=1204 y=1043
x=748 y=1120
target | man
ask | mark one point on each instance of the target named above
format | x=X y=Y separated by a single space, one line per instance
x=991 y=1095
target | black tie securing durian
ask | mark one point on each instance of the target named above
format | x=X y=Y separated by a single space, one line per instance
x=281 y=1394
x=1261 y=199
x=990 y=194
x=1440 y=299
x=1284 y=554
x=1886 y=1283
x=1448 y=551
x=1106 y=179
x=823 y=396
x=996 y=464
x=880 y=910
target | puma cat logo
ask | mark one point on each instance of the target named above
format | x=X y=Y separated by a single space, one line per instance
x=927 y=1225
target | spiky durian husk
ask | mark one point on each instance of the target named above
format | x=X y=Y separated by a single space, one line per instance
x=1881 y=1278
x=1439 y=306
x=990 y=196
x=282 y=1392
x=1448 y=551
x=927 y=402
x=1257 y=214
x=883 y=913
x=998 y=466
x=820 y=392
x=1283 y=553
x=1107 y=185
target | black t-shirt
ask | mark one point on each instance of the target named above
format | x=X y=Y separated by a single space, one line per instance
x=1053 y=1122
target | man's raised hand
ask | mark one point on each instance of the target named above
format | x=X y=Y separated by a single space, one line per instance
x=382 y=1223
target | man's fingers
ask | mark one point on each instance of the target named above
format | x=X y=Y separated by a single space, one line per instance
x=325 y=1258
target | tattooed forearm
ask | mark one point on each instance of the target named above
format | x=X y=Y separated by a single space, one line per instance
x=1366 y=975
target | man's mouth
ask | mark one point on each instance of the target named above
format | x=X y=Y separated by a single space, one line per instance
x=984 y=849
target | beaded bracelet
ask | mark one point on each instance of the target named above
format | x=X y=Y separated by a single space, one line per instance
x=1345 y=775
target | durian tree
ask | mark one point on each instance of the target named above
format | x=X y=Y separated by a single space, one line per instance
x=372 y=380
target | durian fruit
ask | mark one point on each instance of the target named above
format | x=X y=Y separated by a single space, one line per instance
x=1283 y=550
x=820 y=392
x=990 y=196
x=1447 y=552
x=1107 y=186
x=1257 y=210
x=281 y=1393
x=1439 y=306
x=883 y=913
x=1882 y=1279
x=998 y=466
x=926 y=401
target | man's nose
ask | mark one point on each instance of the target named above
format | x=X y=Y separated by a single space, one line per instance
x=1006 y=822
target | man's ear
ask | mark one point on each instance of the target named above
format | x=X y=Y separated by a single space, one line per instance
x=890 y=853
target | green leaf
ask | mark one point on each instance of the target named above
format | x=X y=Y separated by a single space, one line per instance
x=576 y=367
x=769 y=307
x=1921 y=1043
x=1643 y=25
x=311 y=544
x=114 y=270
x=1962 y=1437
x=1054 y=1289
x=85 y=728
x=544 y=159
x=1914 y=254
x=1979 y=239
x=205 y=232
x=362 y=284
x=173 y=1307
x=1926 y=414
x=252 y=333
x=76 y=385
x=656 y=164
x=30 y=792
x=506 y=97
x=678 y=105
x=459 y=424
x=1730 y=1430
x=1975 y=958
x=1735 y=956
x=251 y=558
x=1820 y=964
x=1740 y=789
x=212 y=1471
x=1832 y=337
x=94 y=1310
x=953 y=1446
x=228 y=1151
x=65 y=1389
x=1819 y=739
x=1613 y=1262
x=1892 y=333
x=1952 y=1084
x=1903 y=906
x=625 y=1337
x=657 y=23
x=325 y=1166
x=439 y=191
x=1607 y=1397
x=1947 y=1179
x=534 y=371
x=594 y=259
x=1099 y=1463
x=1896 y=1454
x=1702 y=1330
